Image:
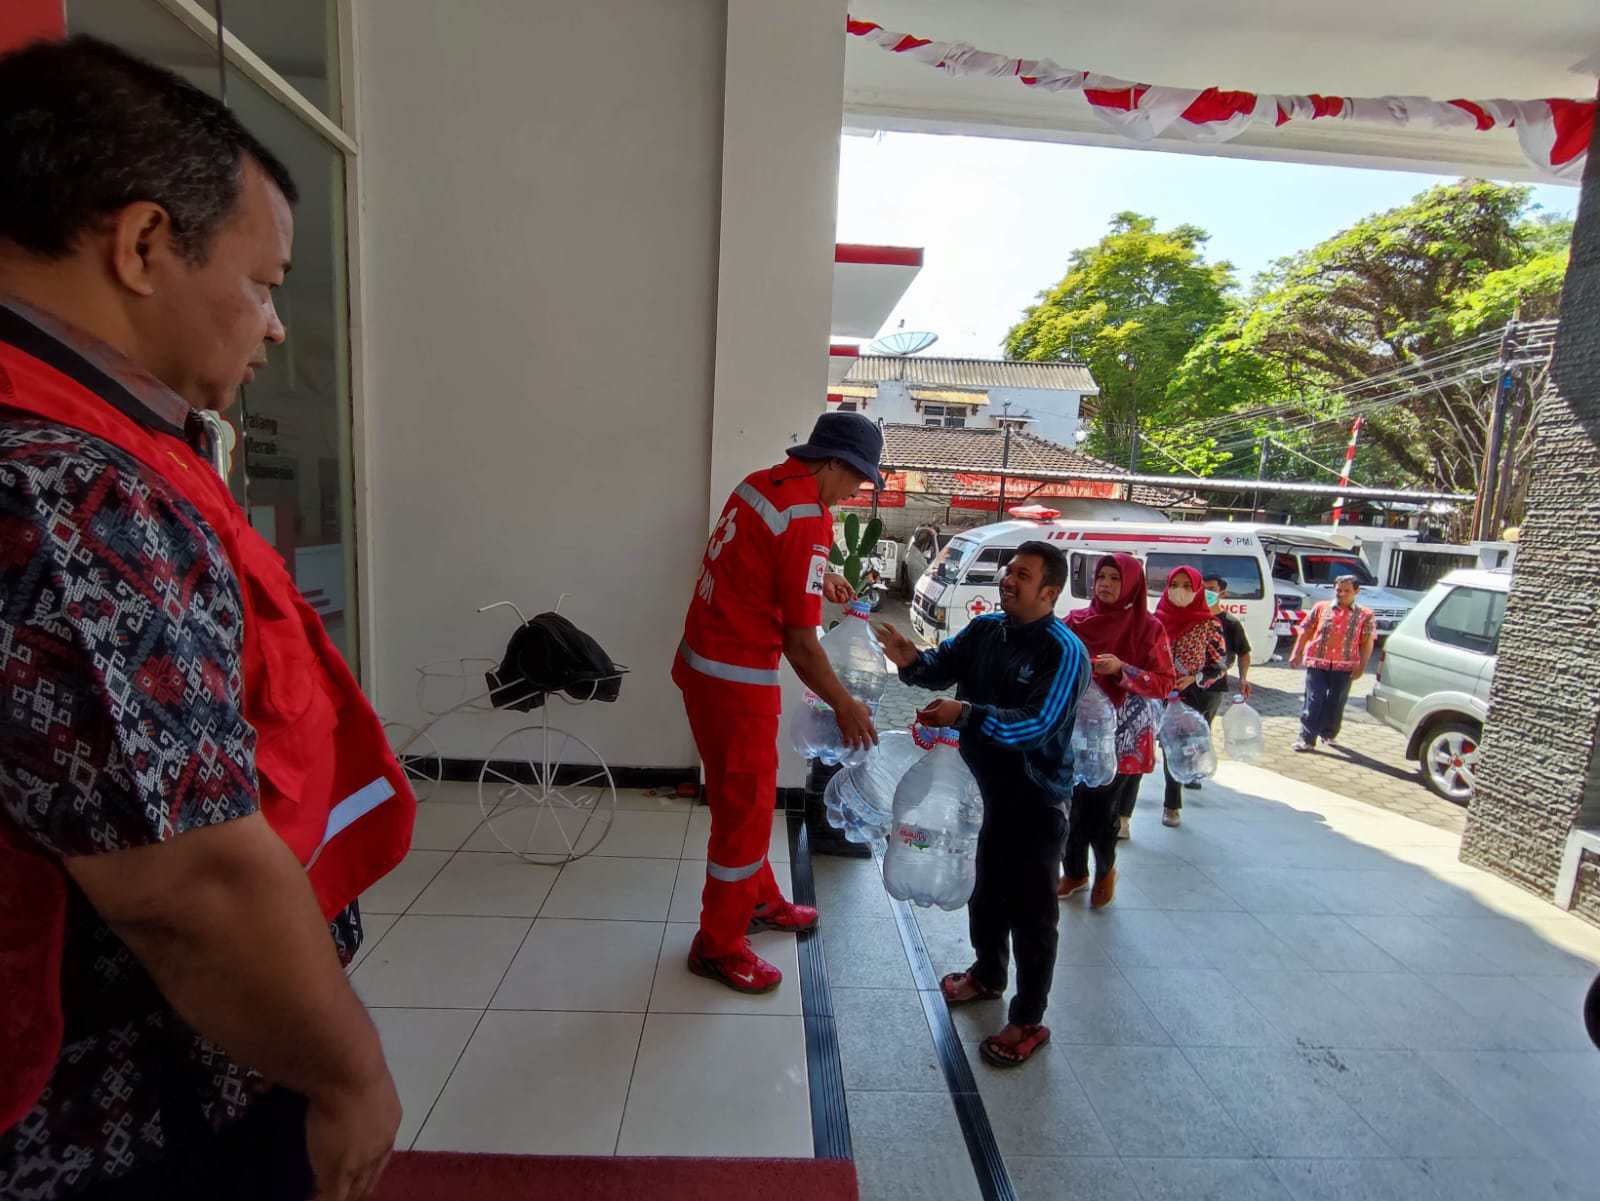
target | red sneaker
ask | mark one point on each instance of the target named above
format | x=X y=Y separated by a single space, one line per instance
x=743 y=971
x=786 y=915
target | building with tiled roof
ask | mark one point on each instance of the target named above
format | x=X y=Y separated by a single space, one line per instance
x=968 y=393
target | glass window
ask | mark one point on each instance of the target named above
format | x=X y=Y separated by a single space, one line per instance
x=1241 y=573
x=1285 y=567
x=290 y=430
x=986 y=568
x=1326 y=569
x=1469 y=618
x=299 y=39
x=294 y=420
x=947 y=567
x=1081 y=576
x=945 y=416
x=144 y=28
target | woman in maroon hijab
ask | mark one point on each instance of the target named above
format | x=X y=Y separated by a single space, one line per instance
x=1199 y=657
x=1132 y=663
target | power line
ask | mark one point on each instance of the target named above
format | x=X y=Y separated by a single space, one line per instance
x=1455 y=359
x=1483 y=347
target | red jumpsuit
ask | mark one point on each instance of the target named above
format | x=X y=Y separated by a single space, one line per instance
x=763 y=570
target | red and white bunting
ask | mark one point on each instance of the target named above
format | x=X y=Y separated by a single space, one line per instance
x=1554 y=134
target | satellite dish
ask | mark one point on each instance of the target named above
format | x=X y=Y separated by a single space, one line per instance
x=903 y=342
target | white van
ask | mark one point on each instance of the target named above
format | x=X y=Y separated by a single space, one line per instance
x=964 y=580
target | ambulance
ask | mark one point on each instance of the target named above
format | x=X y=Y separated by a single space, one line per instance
x=964 y=581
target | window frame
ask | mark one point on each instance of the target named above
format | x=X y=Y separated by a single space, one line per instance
x=1153 y=562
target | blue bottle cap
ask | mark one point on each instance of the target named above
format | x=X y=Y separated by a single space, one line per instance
x=858 y=608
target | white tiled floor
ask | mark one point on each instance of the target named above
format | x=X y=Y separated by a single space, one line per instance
x=542 y=1010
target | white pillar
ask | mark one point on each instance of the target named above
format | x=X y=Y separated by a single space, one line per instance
x=782 y=110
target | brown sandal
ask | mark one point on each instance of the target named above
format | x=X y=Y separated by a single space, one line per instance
x=956 y=979
x=1001 y=1054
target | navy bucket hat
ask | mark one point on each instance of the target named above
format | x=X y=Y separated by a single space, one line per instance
x=848 y=437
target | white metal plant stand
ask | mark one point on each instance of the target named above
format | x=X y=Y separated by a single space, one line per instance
x=545 y=793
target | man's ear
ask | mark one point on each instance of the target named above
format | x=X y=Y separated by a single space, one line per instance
x=140 y=235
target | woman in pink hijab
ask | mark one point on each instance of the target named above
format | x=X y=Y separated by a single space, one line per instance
x=1199 y=656
x=1132 y=664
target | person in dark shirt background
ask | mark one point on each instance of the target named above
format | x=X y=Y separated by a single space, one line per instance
x=1238 y=642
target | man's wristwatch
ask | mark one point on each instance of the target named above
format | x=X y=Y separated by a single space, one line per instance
x=964 y=716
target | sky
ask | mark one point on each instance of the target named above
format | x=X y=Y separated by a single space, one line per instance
x=1000 y=219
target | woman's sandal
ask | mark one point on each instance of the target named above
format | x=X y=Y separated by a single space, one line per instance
x=1002 y=1054
x=955 y=980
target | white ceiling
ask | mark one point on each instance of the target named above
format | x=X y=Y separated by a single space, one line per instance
x=1440 y=48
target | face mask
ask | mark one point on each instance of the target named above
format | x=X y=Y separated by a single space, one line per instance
x=1179 y=598
x=1211 y=599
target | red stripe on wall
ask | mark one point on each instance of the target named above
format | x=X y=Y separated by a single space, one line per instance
x=878 y=256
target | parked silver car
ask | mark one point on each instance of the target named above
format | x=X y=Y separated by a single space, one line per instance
x=1434 y=674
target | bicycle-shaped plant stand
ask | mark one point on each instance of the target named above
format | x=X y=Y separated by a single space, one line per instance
x=545 y=793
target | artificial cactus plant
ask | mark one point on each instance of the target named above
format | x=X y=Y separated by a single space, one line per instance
x=857 y=549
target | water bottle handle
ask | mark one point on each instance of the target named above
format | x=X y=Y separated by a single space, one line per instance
x=919 y=732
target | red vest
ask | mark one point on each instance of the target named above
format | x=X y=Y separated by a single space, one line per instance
x=329 y=783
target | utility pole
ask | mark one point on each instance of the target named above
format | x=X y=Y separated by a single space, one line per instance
x=1483 y=515
x=1005 y=462
x=1261 y=474
x=1506 y=481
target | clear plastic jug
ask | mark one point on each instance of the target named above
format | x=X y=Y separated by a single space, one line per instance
x=858 y=661
x=1094 y=739
x=1241 y=732
x=933 y=839
x=1186 y=742
x=860 y=800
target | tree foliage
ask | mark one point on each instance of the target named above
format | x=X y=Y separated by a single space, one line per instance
x=1132 y=306
x=1397 y=317
x=1382 y=318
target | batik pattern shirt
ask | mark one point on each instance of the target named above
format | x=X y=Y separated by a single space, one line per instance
x=121 y=632
x=1337 y=635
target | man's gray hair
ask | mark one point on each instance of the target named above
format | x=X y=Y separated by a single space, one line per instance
x=1348 y=579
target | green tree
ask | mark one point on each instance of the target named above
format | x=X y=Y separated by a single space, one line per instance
x=1379 y=313
x=1131 y=306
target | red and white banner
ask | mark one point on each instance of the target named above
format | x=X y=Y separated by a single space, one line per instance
x=979 y=490
x=1555 y=134
x=987 y=486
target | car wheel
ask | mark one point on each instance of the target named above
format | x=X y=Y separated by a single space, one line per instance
x=1449 y=759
